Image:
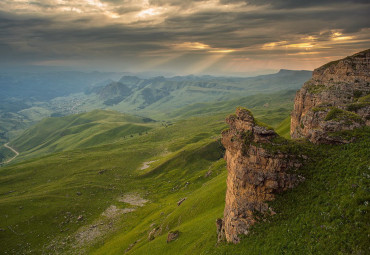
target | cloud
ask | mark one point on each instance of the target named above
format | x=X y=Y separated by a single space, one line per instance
x=158 y=31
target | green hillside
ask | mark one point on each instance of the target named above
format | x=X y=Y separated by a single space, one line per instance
x=106 y=126
x=162 y=95
x=283 y=128
x=271 y=108
x=79 y=131
x=108 y=198
x=155 y=97
x=327 y=214
x=48 y=194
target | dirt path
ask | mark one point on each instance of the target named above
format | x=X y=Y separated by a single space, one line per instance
x=13 y=150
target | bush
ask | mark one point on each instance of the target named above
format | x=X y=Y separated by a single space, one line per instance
x=316 y=89
x=356 y=106
x=339 y=114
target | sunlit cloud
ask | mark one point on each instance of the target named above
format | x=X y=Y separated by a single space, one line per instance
x=149 y=12
x=271 y=45
x=192 y=46
x=285 y=44
x=95 y=3
x=222 y=51
x=337 y=36
x=300 y=45
x=159 y=33
x=304 y=53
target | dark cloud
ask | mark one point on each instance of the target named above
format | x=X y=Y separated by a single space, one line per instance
x=281 y=25
x=290 y=4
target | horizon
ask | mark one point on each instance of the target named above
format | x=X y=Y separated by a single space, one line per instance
x=142 y=75
x=200 y=37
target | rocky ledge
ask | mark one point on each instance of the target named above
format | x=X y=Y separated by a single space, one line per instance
x=258 y=168
x=337 y=98
x=261 y=164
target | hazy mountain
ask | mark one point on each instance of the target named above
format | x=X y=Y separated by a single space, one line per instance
x=45 y=86
x=160 y=94
x=28 y=97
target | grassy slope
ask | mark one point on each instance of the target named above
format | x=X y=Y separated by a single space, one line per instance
x=283 y=128
x=166 y=95
x=78 y=131
x=326 y=214
x=5 y=153
x=41 y=191
x=271 y=108
x=38 y=195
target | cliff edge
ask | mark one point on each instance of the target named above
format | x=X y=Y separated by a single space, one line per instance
x=261 y=164
x=336 y=98
x=256 y=171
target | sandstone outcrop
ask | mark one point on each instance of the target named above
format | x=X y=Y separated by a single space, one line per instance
x=261 y=164
x=335 y=99
x=257 y=169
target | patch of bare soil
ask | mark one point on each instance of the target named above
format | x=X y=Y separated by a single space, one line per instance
x=112 y=211
x=133 y=199
x=147 y=164
x=87 y=235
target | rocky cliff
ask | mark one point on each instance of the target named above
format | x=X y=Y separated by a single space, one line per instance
x=261 y=164
x=257 y=169
x=336 y=98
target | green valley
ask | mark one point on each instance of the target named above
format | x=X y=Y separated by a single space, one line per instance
x=74 y=200
x=197 y=127
x=79 y=131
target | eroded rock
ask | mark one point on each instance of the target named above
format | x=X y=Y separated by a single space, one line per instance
x=257 y=169
x=172 y=236
x=220 y=230
x=181 y=201
x=335 y=99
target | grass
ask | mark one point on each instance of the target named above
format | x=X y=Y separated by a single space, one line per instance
x=37 y=195
x=269 y=108
x=361 y=103
x=42 y=198
x=79 y=131
x=5 y=153
x=316 y=89
x=283 y=129
x=327 y=214
x=337 y=114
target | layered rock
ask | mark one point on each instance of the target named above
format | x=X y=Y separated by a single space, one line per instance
x=257 y=169
x=335 y=99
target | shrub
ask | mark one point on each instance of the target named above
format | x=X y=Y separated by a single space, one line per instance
x=339 y=114
x=356 y=106
x=364 y=99
x=357 y=93
x=315 y=89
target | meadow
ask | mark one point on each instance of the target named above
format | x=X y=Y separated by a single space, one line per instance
x=72 y=201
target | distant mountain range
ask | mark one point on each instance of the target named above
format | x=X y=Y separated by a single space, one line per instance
x=160 y=94
x=29 y=97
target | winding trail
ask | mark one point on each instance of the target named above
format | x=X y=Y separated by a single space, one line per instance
x=13 y=150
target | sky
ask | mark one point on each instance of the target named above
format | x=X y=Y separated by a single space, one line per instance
x=224 y=37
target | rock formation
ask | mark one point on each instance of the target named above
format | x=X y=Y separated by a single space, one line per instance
x=261 y=164
x=335 y=99
x=257 y=169
x=172 y=236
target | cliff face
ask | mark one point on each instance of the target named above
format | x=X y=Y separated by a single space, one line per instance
x=255 y=173
x=335 y=99
x=261 y=164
